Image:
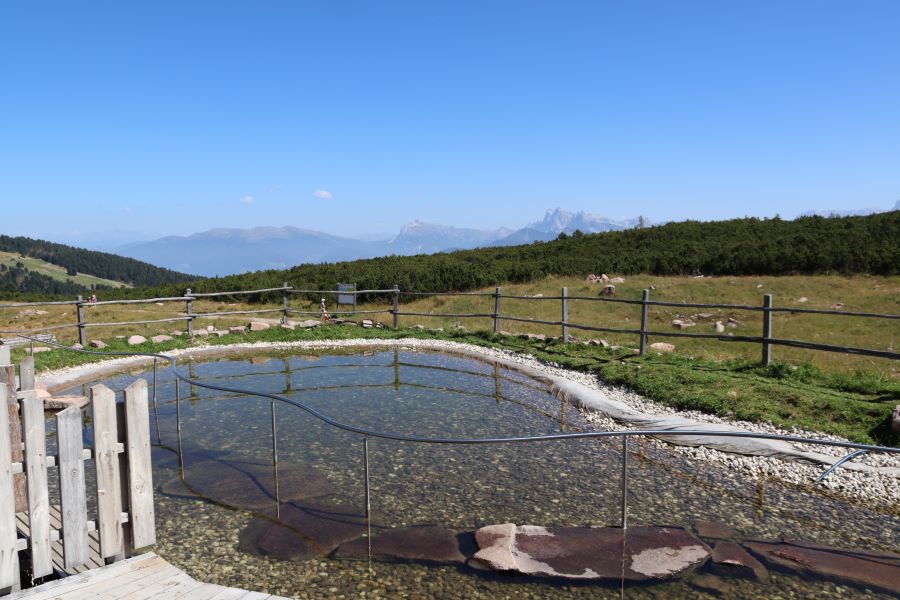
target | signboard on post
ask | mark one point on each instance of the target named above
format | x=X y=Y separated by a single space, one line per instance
x=344 y=299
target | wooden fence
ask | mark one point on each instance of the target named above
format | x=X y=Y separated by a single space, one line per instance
x=766 y=339
x=58 y=537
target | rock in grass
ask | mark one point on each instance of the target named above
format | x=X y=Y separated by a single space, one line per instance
x=590 y=552
x=663 y=347
x=98 y=344
x=425 y=543
x=136 y=339
x=248 y=485
x=301 y=531
x=258 y=326
x=237 y=329
x=159 y=339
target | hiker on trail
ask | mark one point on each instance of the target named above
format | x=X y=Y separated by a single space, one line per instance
x=322 y=312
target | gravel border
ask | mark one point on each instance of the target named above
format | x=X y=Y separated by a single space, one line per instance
x=881 y=484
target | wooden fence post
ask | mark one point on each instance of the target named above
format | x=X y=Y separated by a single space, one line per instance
x=284 y=304
x=645 y=298
x=497 y=309
x=565 y=315
x=189 y=311
x=9 y=555
x=767 y=330
x=79 y=314
x=396 y=306
x=8 y=380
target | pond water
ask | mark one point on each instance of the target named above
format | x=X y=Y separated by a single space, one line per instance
x=218 y=527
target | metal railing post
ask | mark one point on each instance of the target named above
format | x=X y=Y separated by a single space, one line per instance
x=767 y=330
x=396 y=306
x=284 y=303
x=565 y=315
x=275 y=462
x=155 y=406
x=368 y=498
x=645 y=297
x=624 y=482
x=79 y=315
x=497 y=309
x=189 y=311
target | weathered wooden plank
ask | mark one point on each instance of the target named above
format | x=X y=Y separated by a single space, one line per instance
x=26 y=374
x=140 y=473
x=8 y=380
x=106 y=462
x=122 y=571
x=71 y=487
x=35 y=436
x=9 y=564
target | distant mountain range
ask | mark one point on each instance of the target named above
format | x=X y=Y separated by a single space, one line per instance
x=230 y=251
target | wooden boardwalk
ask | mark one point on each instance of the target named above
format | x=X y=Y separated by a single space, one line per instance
x=143 y=577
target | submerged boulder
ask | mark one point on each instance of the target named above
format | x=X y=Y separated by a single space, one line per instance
x=426 y=543
x=249 y=485
x=860 y=567
x=301 y=531
x=590 y=552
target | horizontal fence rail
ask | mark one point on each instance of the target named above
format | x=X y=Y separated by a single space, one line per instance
x=766 y=340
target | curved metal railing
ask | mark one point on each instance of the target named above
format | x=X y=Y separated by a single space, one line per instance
x=857 y=448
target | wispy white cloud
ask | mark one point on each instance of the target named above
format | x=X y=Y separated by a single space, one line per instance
x=248 y=200
x=323 y=194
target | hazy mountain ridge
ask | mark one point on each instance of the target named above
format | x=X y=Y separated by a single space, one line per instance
x=226 y=251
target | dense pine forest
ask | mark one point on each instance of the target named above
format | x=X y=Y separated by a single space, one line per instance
x=750 y=246
x=75 y=260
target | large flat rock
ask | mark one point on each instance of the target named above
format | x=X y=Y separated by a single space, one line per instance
x=590 y=552
x=426 y=543
x=303 y=531
x=249 y=485
x=860 y=567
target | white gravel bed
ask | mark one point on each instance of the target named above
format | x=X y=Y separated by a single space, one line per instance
x=877 y=487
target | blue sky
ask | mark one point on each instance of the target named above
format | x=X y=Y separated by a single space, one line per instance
x=140 y=119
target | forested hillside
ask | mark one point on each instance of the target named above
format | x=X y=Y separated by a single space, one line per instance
x=808 y=245
x=75 y=260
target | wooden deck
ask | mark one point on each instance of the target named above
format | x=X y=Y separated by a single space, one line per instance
x=143 y=577
x=56 y=545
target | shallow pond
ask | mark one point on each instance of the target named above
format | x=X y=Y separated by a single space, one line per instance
x=226 y=446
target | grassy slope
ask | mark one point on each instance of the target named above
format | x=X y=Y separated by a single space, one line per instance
x=854 y=406
x=55 y=271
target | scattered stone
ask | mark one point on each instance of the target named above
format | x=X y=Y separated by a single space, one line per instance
x=287 y=326
x=210 y=327
x=704 y=315
x=351 y=323
x=158 y=339
x=663 y=347
x=837 y=306
x=308 y=324
x=895 y=420
x=159 y=303
x=98 y=344
x=418 y=327
x=590 y=552
x=733 y=561
x=759 y=286
x=682 y=324
x=258 y=326
x=533 y=336
x=715 y=530
x=247 y=485
x=617 y=280
x=802 y=299
x=77 y=347
x=608 y=290
x=438 y=330
x=30 y=312
x=237 y=329
x=177 y=333
x=37 y=350
x=538 y=296
x=720 y=328
x=427 y=543
x=136 y=339
x=602 y=343
x=367 y=323
x=201 y=333
x=303 y=531
x=218 y=333
x=860 y=567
